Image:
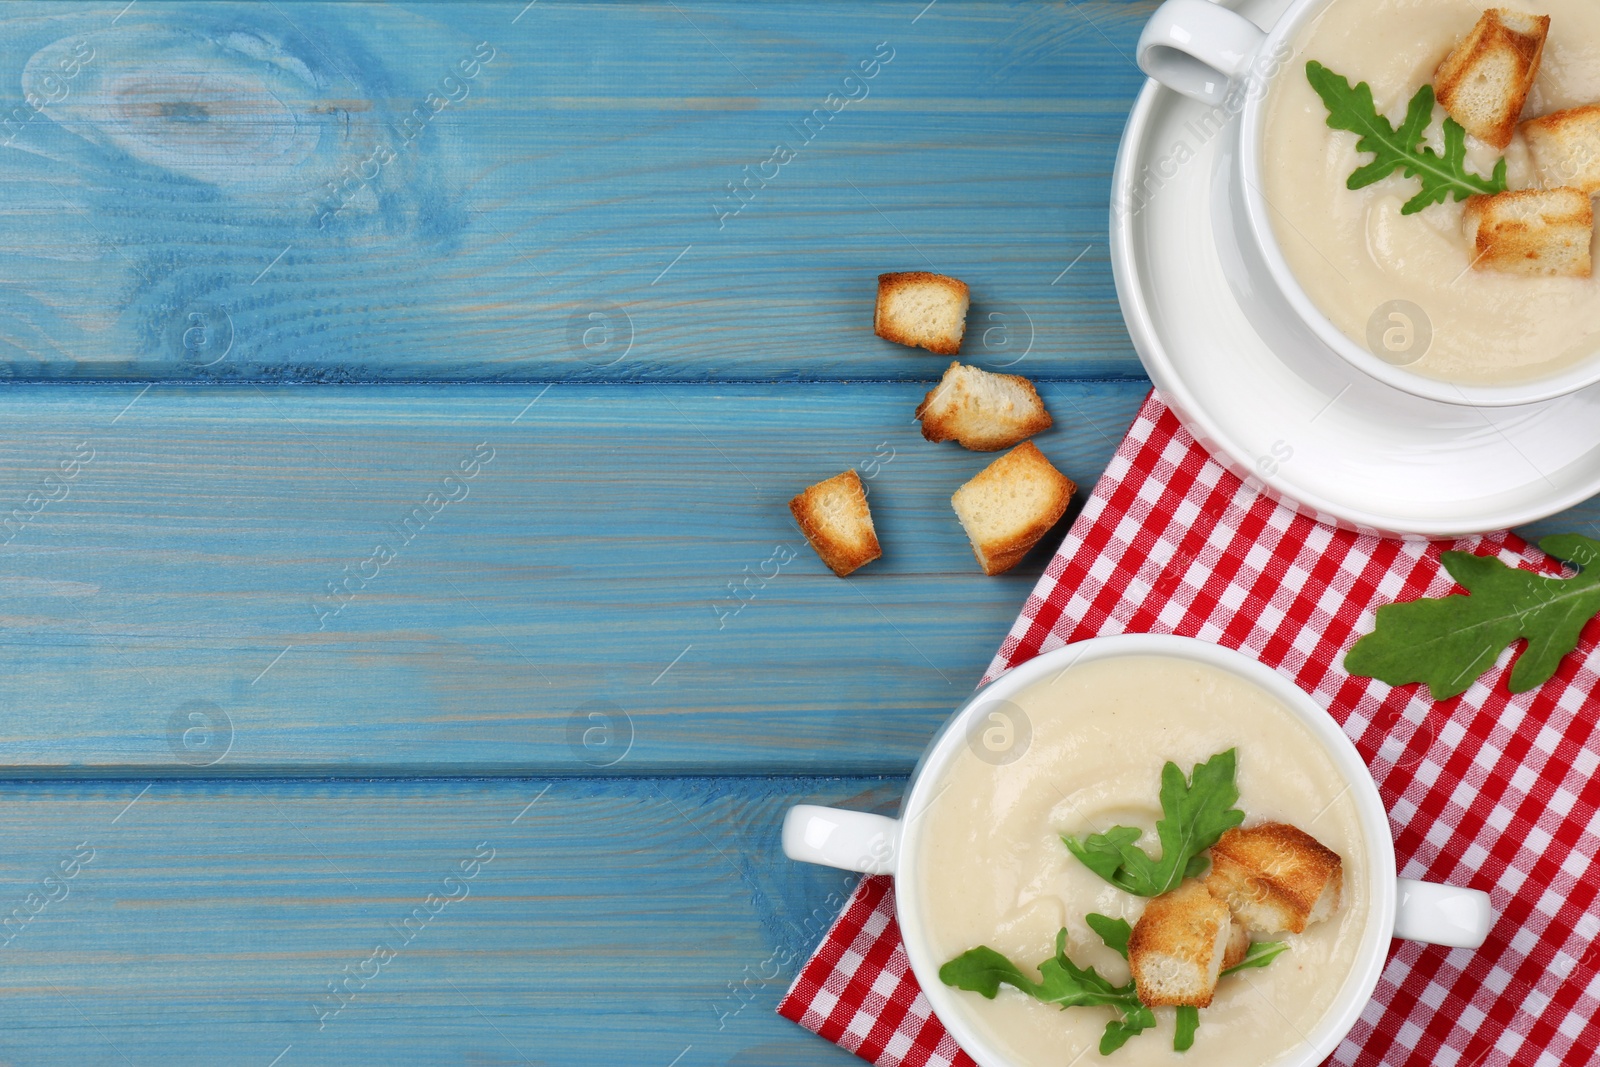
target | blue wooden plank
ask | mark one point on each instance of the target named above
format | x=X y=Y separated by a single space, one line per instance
x=626 y=551
x=620 y=921
x=265 y=191
x=1583 y=519
x=214 y=552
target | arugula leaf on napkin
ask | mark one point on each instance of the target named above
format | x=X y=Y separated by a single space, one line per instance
x=1195 y=812
x=1402 y=149
x=982 y=970
x=1449 y=641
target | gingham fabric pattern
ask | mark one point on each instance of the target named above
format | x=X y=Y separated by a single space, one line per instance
x=1488 y=789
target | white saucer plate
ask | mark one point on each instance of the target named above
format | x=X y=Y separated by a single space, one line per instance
x=1304 y=425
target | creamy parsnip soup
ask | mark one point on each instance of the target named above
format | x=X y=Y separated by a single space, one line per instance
x=991 y=868
x=1354 y=253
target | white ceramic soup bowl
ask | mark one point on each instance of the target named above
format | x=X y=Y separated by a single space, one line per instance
x=875 y=844
x=1220 y=58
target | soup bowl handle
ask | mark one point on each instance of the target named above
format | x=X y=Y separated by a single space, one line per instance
x=849 y=840
x=1197 y=48
x=1441 y=914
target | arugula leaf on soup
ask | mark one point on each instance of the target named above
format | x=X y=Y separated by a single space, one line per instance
x=1195 y=812
x=1063 y=983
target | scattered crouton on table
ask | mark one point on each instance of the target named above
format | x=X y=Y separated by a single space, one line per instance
x=1007 y=507
x=834 y=517
x=982 y=411
x=922 y=310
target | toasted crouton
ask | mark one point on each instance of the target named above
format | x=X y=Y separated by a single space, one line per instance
x=1275 y=878
x=1177 y=947
x=1238 y=945
x=1484 y=83
x=982 y=411
x=922 y=310
x=835 y=519
x=1010 y=504
x=1565 y=148
x=1538 y=232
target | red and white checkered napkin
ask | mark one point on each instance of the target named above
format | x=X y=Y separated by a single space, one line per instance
x=1487 y=790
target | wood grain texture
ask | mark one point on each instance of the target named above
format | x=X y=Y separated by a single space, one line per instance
x=619 y=921
x=622 y=544
x=266 y=191
x=533 y=205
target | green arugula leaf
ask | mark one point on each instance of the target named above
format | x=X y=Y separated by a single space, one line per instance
x=1188 y=1023
x=1108 y=853
x=1195 y=812
x=1114 y=932
x=1260 y=954
x=1449 y=641
x=1441 y=174
x=982 y=970
x=1130 y=1025
x=1064 y=982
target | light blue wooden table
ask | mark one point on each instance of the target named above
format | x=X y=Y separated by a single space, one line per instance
x=402 y=404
